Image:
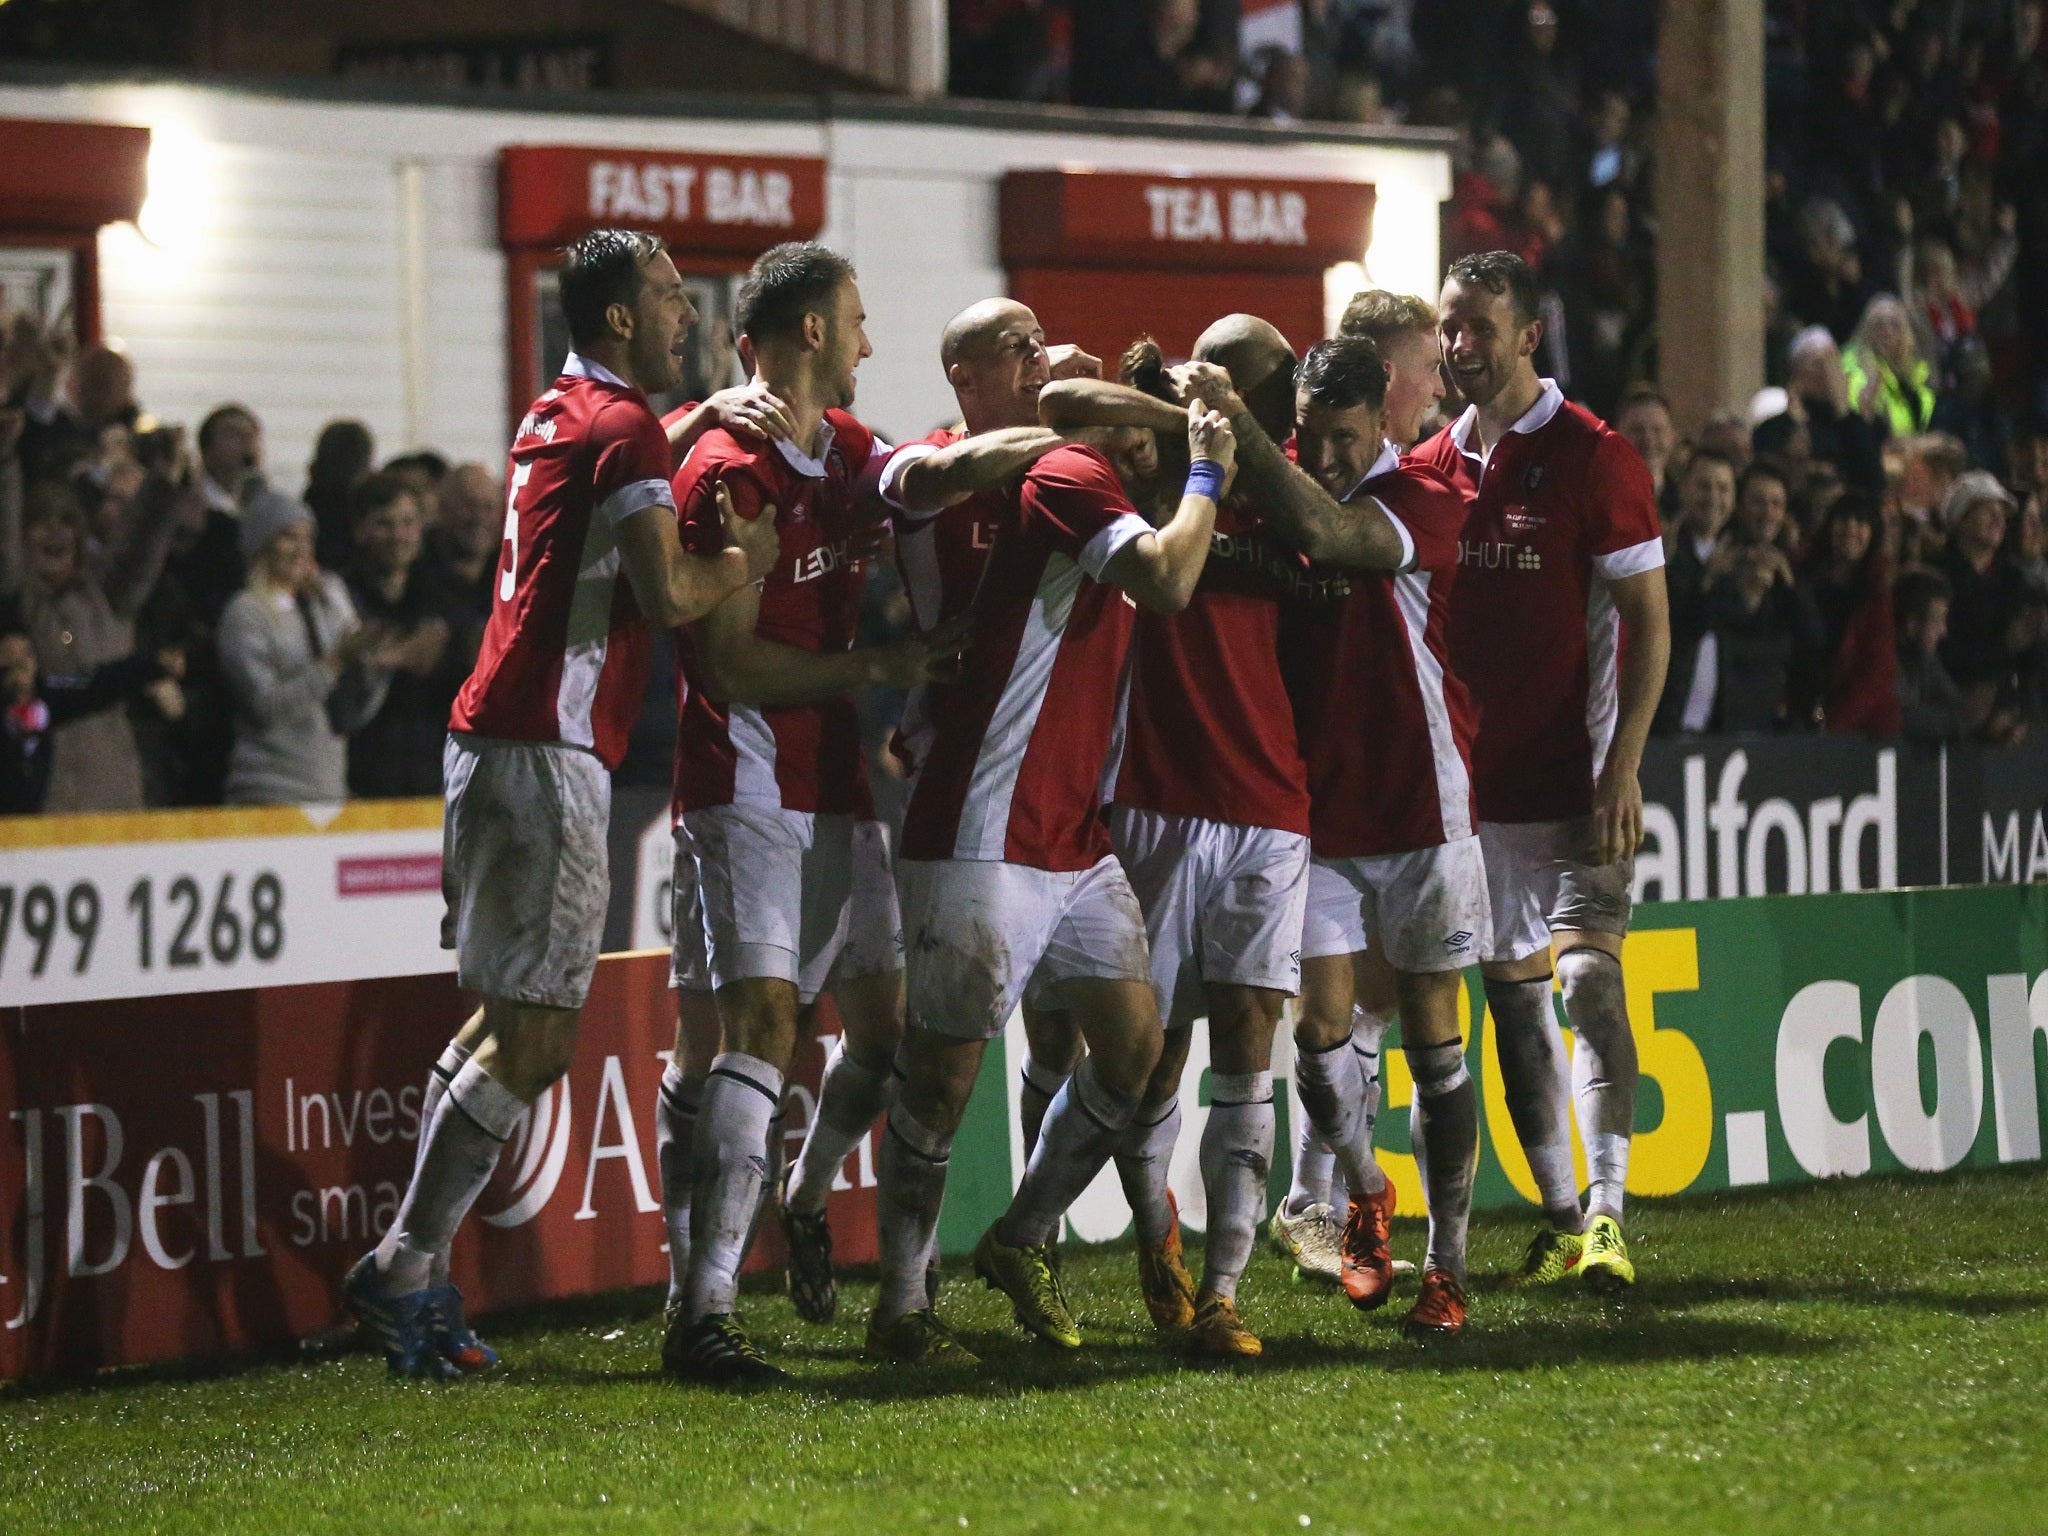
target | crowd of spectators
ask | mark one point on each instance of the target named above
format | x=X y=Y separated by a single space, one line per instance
x=1862 y=550
x=177 y=628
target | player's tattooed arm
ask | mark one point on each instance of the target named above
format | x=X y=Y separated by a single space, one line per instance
x=978 y=462
x=1160 y=569
x=751 y=411
x=1359 y=534
x=674 y=586
x=1644 y=607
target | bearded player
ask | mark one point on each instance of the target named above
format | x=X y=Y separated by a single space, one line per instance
x=1306 y=1226
x=771 y=782
x=591 y=559
x=1561 y=631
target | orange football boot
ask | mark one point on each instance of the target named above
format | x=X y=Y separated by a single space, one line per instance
x=1368 y=1268
x=1441 y=1306
x=1163 y=1279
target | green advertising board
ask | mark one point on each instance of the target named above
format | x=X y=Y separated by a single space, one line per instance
x=1781 y=1038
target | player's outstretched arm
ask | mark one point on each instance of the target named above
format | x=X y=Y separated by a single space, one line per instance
x=674 y=586
x=1359 y=534
x=1645 y=609
x=1159 y=569
x=980 y=462
x=741 y=667
x=1070 y=404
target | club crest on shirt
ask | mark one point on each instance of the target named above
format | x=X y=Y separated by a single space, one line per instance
x=1535 y=478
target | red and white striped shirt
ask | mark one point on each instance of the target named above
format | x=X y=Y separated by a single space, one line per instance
x=565 y=652
x=804 y=757
x=1019 y=741
x=1210 y=734
x=1386 y=727
x=940 y=555
x=1560 y=507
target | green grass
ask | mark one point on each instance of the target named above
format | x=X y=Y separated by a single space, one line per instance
x=1844 y=1358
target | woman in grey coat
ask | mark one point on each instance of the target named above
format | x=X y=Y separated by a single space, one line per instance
x=303 y=672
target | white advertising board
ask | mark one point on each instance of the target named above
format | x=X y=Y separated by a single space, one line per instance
x=133 y=906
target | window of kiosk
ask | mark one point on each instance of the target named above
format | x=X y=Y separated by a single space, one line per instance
x=37 y=280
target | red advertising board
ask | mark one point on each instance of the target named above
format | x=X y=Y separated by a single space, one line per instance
x=1216 y=223
x=548 y=194
x=191 y=1175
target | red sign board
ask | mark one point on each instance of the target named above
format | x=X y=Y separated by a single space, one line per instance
x=163 y=1204
x=1245 y=223
x=737 y=204
x=70 y=177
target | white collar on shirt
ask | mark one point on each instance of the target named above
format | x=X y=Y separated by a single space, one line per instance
x=802 y=462
x=1389 y=459
x=1549 y=400
x=577 y=366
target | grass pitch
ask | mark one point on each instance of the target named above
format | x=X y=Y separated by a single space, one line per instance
x=1841 y=1358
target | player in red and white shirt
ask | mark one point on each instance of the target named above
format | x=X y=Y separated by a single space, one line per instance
x=1215 y=843
x=1308 y=1224
x=591 y=557
x=1007 y=868
x=770 y=779
x=1398 y=887
x=1561 y=631
x=866 y=981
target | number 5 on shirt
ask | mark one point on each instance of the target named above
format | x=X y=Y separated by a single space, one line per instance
x=509 y=580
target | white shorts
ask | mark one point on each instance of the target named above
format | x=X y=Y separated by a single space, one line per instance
x=979 y=928
x=874 y=928
x=1223 y=904
x=776 y=887
x=524 y=867
x=1427 y=910
x=689 y=949
x=874 y=925
x=1540 y=882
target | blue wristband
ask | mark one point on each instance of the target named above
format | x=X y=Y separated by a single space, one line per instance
x=1205 y=478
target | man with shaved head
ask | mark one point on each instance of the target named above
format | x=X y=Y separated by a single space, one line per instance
x=1244 y=368
x=1215 y=842
x=1007 y=874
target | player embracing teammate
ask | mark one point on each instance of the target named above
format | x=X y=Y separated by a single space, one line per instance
x=1007 y=874
x=591 y=559
x=1561 y=632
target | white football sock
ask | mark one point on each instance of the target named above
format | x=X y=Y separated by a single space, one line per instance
x=740 y=1099
x=1603 y=1071
x=851 y=1098
x=1082 y=1130
x=1143 y=1159
x=1368 y=1029
x=1041 y=1084
x=1444 y=1125
x=675 y=1135
x=912 y=1177
x=439 y=1076
x=1332 y=1093
x=1237 y=1153
x=469 y=1129
x=1314 y=1164
x=1534 y=1080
